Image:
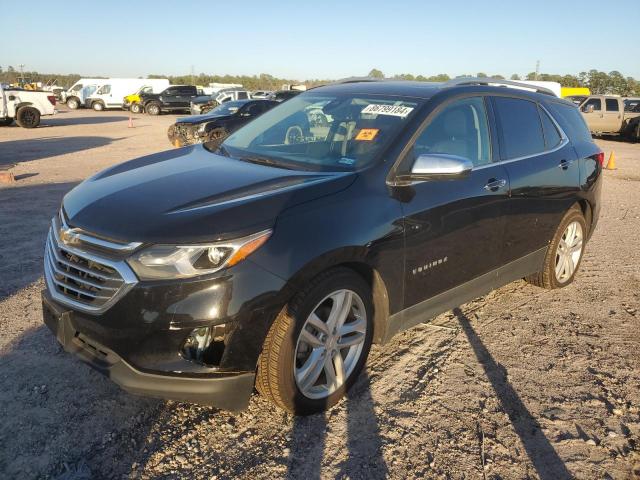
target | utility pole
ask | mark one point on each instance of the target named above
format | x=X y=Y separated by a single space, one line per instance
x=21 y=81
x=192 y=73
x=537 y=69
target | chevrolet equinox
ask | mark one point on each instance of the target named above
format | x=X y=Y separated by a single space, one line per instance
x=275 y=259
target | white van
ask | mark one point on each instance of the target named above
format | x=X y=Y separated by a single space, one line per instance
x=74 y=97
x=112 y=91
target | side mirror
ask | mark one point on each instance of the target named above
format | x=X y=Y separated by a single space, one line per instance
x=589 y=108
x=439 y=166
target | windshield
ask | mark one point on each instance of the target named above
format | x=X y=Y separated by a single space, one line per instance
x=228 y=108
x=323 y=132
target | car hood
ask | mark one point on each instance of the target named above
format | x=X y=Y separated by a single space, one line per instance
x=205 y=117
x=191 y=195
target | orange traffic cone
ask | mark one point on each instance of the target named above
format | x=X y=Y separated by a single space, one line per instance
x=130 y=121
x=611 y=164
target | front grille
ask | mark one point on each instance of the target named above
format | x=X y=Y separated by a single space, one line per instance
x=81 y=279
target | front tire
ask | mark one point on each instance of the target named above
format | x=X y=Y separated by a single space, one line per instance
x=318 y=344
x=153 y=108
x=73 y=103
x=136 y=108
x=28 y=117
x=564 y=254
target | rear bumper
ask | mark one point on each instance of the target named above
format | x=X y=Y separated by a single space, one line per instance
x=229 y=391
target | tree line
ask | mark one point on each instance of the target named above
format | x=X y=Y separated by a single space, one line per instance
x=598 y=82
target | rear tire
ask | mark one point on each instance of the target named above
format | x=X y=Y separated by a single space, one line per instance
x=153 y=108
x=303 y=369
x=28 y=117
x=98 y=106
x=564 y=254
x=73 y=103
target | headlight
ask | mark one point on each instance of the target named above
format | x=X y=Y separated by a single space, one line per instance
x=160 y=262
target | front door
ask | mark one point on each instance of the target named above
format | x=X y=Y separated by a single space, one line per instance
x=595 y=118
x=454 y=229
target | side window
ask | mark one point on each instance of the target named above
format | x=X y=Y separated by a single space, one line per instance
x=242 y=95
x=571 y=121
x=461 y=129
x=596 y=102
x=105 y=89
x=170 y=91
x=611 y=104
x=551 y=135
x=520 y=127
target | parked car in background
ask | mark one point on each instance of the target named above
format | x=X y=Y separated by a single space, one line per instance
x=76 y=95
x=632 y=104
x=200 y=273
x=261 y=94
x=217 y=124
x=282 y=95
x=176 y=98
x=606 y=114
x=112 y=92
x=206 y=103
x=25 y=107
x=132 y=100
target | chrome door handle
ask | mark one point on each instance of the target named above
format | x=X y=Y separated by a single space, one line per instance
x=564 y=164
x=494 y=185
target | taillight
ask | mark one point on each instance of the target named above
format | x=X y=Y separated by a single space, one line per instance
x=52 y=99
x=600 y=158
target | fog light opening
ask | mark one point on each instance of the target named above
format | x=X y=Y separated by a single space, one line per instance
x=205 y=345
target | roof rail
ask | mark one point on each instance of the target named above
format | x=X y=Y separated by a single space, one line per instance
x=498 y=82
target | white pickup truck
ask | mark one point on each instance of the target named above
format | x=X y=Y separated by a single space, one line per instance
x=25 y=106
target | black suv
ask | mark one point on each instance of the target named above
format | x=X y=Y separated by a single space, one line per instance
x=217 y=124
x=276 y=260
x=176 y=98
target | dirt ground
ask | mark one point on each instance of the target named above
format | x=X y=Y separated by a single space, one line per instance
x=523 y=383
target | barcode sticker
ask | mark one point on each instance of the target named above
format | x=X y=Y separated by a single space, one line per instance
x=394 y=110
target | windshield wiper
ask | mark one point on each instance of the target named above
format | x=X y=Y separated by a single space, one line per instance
x=264 y=161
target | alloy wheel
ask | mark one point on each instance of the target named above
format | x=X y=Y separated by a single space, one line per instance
x=330 y=344
x=569 y=251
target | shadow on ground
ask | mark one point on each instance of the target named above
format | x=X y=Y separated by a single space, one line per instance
x=57 y=411
x=78 y=120
x=545 y=460
x=25 y=216
x=15 y=151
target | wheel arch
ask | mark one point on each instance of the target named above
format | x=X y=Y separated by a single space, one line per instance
x=587 y=212
x=355 y=259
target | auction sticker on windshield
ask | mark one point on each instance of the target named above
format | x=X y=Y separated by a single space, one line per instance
x=394 y=110
x=367 y=134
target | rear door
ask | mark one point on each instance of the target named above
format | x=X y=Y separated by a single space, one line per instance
x=454 y=229
x=612 y=115
x=543 y=174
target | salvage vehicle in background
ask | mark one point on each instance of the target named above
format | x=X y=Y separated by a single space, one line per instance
x=261 y=94
x=217 y=124
x=132 y=101
x=112 y=92
x=206 y=103
x=199 y=273
x=176 y=98
x=25 y=106
x=282 y=95
x=76 y=95
x=606 y=114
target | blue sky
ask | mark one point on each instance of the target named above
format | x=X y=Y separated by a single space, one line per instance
x=321 y=38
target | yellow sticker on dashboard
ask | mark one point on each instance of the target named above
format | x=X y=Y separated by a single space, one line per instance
x=367 y=134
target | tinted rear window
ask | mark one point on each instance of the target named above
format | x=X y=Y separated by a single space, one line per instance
x=520 y=127
x=571 y=121
x=551 y=135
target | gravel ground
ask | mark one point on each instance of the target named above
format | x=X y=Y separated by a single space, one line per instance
x=522 y=383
